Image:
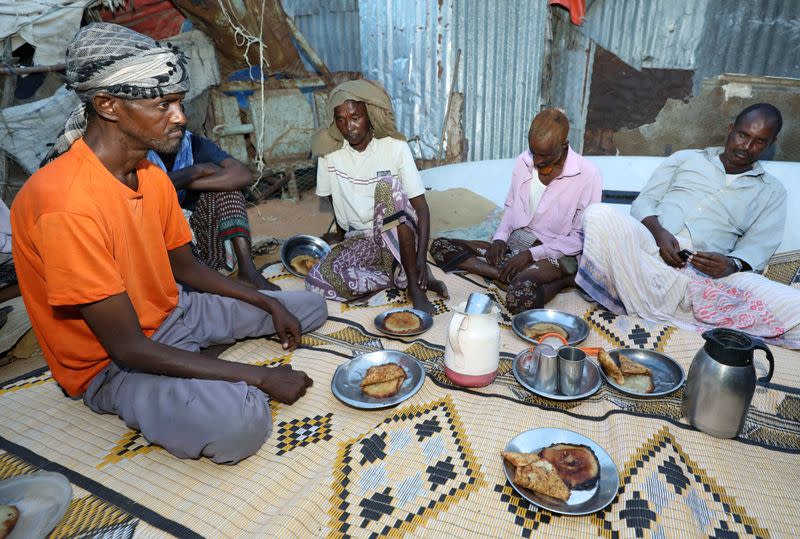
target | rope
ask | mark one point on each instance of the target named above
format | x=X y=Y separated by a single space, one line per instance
x=245 y=38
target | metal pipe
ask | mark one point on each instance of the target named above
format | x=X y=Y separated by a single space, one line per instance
x=27 y=70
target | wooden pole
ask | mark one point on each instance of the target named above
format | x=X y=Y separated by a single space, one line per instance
x=447 y=108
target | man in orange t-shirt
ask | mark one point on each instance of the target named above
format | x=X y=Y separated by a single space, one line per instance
x=99 y=240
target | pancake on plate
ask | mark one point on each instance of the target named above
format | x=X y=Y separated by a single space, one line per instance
x=402 y=322
x=9 y=514
x=535 y=331
x=383 y=381
x=629 y=374
x=536 y=474
x=302 y=264
x=576 y=464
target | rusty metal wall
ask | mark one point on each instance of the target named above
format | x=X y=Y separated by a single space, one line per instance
x=411 y=48
x=572 y=68
x=756 y=38
x=331 y=27
x=500 y=75
x=651 y=33
x=407 y=46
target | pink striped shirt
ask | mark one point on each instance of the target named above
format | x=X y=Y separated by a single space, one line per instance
x=557 y=220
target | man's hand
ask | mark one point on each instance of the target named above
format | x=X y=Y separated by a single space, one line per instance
x=422 y=269
x=668 y=248
x=517 y=263
x=284 y=384
x=495 y=252
x=714 y=265
x=287 y=327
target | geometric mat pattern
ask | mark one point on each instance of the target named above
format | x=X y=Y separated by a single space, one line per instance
x=429 y=467
x=415 y=465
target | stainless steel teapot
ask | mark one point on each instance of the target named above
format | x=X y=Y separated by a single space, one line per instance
x=721 y=382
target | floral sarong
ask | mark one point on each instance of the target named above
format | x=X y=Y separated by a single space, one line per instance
x=622 y=270
x=367 y=261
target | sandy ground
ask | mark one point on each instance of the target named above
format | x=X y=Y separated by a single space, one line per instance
x=281 y=219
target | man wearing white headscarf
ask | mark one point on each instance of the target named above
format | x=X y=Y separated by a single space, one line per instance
x=366 y=167
x=99 y=241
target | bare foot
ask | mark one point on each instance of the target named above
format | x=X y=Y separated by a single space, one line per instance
x=258 y=281
x=420 y=300
x=437 y=286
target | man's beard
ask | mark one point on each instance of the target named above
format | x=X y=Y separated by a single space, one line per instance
x=167 y=146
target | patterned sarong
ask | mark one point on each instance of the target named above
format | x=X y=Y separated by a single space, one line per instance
x=367 y=261
x=217 y=218
x=622 y=270
x=522 y=293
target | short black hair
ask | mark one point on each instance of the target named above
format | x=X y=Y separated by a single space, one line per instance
x=770 y=111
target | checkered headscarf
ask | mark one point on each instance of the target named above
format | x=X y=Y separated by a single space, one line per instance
x=105 y=57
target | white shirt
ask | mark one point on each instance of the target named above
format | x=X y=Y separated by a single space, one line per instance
x=744 y=219
x=349 y=177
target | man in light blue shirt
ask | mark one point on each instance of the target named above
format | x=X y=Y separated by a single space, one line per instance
x=702 y=222
x=718 y=203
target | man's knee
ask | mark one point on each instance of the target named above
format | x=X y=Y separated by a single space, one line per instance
x=438 y=247
x=308 y=307
x=239 y=433
x=317 y=312
x=523 y=293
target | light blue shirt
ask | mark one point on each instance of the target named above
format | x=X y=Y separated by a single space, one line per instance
x=744 y=219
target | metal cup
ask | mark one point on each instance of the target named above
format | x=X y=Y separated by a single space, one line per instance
x=546 y=360
x=570 y=370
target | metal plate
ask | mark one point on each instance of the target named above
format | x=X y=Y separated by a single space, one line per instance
x=668 y=375
x=42 y=499
x=580 y=502
x=577 y=329
x=427 y=322
x=524 y=369
x=302 y=245
x=346 y=383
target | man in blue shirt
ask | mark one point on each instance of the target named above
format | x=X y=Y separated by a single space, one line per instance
x=209 y=184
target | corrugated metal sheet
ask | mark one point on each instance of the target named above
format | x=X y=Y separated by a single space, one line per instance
x=503 y=46
x=756 y=38
x=331 y=27
x=411 y=50
x=407 y=46
x=572 y=57
x=652 y=33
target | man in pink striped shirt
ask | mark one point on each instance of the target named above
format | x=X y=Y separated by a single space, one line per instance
x=535 y=247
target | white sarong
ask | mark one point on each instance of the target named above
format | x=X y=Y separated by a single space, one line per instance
x=623 y=271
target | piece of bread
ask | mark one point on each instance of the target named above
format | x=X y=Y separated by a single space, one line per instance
x=383 y=381
x=576 y=464
x=302 y=264
x=542 y=328
x=629 y=366
x=520 y=459
x=639 y=383
x=542 y=477
x=9 y=515
x=610 y=367
x=402 y=322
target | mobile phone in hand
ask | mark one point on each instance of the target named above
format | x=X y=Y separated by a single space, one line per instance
x=685 y=254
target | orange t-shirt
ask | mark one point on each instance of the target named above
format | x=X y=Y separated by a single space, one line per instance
x=79 y=236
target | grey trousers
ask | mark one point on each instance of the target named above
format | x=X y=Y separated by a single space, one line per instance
x=224 y=421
